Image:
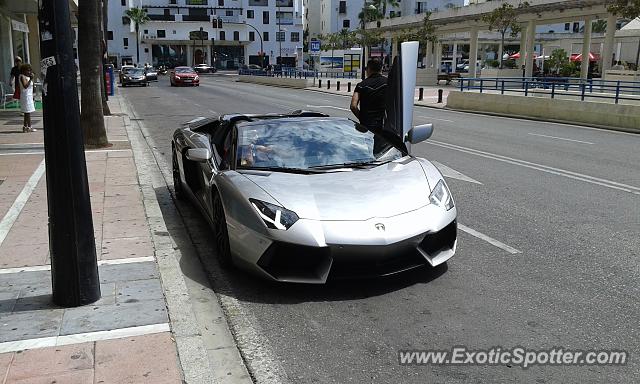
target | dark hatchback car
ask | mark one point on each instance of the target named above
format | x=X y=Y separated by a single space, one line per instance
x=135 y=76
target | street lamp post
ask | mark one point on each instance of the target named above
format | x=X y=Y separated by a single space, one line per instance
x=259 y=35
x=74 y=266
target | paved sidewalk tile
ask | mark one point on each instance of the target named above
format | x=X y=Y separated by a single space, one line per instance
x=48 y=362
x=152 y=359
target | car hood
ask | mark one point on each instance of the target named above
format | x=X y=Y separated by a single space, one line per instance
x=359 y=194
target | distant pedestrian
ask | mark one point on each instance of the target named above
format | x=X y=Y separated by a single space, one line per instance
x=27 y=105
x=369 y=98
x=15 y=76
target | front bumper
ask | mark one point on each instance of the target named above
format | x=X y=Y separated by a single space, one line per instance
x=315 y=251
x=186 y=82
x=134 y=82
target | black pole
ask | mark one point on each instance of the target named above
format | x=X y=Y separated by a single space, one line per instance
x=440 y=94
x=74 y=268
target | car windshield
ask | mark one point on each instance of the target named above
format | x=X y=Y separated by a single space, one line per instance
x=310 y=144
x=136 y=71
x=184 y=70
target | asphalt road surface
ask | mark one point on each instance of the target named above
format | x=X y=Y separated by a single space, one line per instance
x=547 y=255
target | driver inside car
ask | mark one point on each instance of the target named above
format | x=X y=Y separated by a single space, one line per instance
x=253 y=152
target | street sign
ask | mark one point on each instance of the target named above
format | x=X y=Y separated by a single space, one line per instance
x=315 y=46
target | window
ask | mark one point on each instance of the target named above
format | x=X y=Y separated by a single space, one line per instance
x=252 y=36
x=250 y=14
x=280 y=36
x=123 y=2
x=125 y=41
x=161 y=33
x=146 y=50
x=221 y=3
x=222 y=35
x=259 y=3
x=567 y=26
x=145 y=32
x=229 y=12
x=346 y=23
x=265 y=17
x=576 y=27
x=236 y=36
x=109 y=35
x=172 y=2
x=342 y=8
x=167 y=12
x=265 y=36
x=295 y=37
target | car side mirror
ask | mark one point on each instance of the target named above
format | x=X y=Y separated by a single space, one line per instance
x=199 y=155
x=419 y=133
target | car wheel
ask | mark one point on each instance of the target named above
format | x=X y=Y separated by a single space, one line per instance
x=177 y=183
x=221 y=233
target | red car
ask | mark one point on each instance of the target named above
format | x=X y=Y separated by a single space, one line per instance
x=184 y=76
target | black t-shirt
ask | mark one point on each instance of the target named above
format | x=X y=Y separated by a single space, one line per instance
x=373 y=92
x=15 y=74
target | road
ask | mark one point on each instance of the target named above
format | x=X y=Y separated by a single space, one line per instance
x=547 y=256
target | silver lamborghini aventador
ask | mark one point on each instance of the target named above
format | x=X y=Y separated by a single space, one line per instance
x=304 y=197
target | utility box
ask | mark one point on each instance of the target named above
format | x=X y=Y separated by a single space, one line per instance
x=110 y=80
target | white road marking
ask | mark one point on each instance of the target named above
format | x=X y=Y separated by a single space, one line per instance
x=35 y=268
x=328 y=106
x=12 y=215
x=55 y=341
x=561 y=138
x=453 y=174
x=488 y=239
x=430 y=118
x=544 y=168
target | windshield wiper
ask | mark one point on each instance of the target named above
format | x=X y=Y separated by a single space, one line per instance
x=355 y=164
x=277 y=169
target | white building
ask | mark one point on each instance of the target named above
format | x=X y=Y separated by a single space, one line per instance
x=324 y=17
x=249 y=28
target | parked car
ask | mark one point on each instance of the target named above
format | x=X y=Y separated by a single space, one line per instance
x=184 y=76
x=124 y=70
x=135 y=76
x=204 y=68
x=304 y=197
x=152 y=74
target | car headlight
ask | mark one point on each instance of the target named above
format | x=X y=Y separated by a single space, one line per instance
x=177 y=77
x=441 y=196
x=196 y=78
x=274 y=216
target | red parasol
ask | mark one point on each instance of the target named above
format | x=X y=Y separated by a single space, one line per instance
x=578 y=57
x=516 y=56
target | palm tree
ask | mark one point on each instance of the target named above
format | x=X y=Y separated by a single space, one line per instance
x=383 y=4
x=90 y=56
x=137 y=16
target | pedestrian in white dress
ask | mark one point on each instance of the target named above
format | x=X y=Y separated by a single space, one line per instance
x=27 y=105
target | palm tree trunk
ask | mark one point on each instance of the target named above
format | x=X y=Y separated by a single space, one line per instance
x=137 y=44
x=103 y=90
x=90 y=53
x=501 y=50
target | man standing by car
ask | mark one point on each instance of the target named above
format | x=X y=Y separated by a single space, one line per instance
x=369 y=97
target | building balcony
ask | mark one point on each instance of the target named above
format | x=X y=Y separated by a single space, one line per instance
x=196 y=18
x=162 y=17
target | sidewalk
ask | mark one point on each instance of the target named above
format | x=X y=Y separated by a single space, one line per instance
x=125 y=337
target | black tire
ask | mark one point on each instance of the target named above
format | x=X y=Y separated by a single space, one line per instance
x=177 y=184
x=223 y=249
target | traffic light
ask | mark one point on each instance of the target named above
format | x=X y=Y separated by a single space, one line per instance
x=217 y=23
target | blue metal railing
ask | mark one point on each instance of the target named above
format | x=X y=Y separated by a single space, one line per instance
x=615 y=90
x=295 y=73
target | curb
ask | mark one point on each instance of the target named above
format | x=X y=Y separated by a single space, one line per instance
x=192 y=353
